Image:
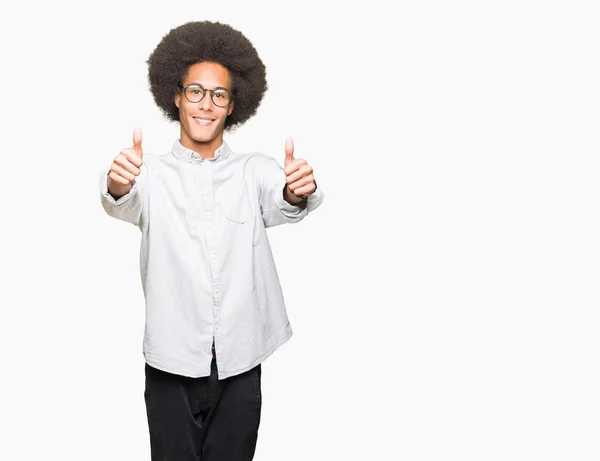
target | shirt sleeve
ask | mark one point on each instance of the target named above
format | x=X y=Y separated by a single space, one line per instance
x=274 y=208
x=129 y=207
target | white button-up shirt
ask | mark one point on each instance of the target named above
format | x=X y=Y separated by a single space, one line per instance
x=206 y=265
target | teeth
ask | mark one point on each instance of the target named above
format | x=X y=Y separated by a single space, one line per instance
x=202 y=121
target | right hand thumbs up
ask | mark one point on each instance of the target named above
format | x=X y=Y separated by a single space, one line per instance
x=126 y=166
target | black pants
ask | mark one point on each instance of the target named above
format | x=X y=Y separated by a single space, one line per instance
x=203 y=419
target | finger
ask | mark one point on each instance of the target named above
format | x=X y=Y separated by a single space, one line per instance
x=289 y=151
x=137 y=142
x=300 y=173
x=119 y=170
x=132 y=157
x=304 y=190
x=298 y=185
x=118 y=179
x=301 y=183
x=127 y=165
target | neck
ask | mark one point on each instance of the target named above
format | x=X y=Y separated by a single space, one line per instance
x=203 y=149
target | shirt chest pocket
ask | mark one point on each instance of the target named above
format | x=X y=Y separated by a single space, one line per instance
x=236 y=204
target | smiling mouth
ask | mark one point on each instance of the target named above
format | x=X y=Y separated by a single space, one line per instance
x=203 y=121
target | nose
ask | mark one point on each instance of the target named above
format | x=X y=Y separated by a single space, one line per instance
x=206 y=102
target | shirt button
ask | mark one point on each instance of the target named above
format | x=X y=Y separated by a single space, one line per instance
x=213 y=257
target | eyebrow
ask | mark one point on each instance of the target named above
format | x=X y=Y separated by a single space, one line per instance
x=216 y=88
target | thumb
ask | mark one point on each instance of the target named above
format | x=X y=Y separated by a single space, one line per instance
x=137 y=142
x=289 y=151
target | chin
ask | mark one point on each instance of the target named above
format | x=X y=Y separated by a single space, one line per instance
x=202 y=137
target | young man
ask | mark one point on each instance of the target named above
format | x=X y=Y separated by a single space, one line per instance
x=214 y=306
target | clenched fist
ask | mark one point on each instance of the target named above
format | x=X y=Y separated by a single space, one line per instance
x=299 y=178
x=126 y=167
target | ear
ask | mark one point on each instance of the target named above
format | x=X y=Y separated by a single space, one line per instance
x=177 y=98
x=230 y=110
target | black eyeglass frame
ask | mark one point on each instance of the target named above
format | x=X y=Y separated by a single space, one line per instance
x=204 y=91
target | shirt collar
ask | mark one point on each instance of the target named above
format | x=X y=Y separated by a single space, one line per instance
x=187 y=155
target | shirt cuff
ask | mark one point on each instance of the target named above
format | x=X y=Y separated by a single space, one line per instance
x=109 y=198
x=314 y=200
x=291 y=212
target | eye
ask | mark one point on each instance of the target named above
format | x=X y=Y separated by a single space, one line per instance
x=222 y=96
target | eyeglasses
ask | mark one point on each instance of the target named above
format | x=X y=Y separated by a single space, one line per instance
x=194 y=92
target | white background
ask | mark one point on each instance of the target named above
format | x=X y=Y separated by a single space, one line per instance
x=444 y=298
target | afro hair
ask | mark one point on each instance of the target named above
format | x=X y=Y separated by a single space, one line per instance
x=205 y=41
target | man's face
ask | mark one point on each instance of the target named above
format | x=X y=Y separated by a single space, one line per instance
x=202 y=123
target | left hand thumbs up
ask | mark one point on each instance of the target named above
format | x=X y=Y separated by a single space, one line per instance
x=298 y=174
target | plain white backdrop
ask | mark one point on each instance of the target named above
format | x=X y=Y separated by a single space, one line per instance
x=445 y=296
